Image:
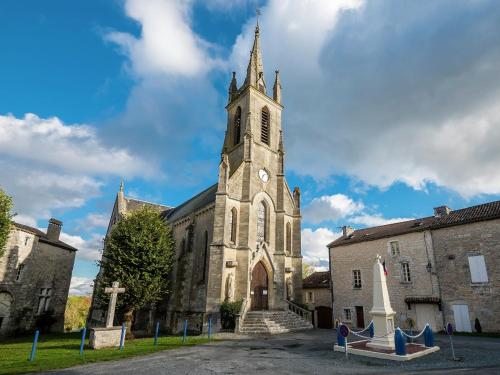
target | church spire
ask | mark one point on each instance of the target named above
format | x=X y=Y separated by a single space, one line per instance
x=277 y=87
x=255 y=69
x=233 y=88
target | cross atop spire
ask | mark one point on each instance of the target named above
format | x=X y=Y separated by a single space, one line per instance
x=255 y=69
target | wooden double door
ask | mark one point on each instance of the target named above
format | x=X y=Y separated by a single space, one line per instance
x=259 y=291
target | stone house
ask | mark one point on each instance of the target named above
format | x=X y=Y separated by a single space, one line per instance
x=442 y=268
x=35 y=276
x=240 y=238
x=317 y=296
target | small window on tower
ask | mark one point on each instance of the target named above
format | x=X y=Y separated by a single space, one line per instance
x=237 y=126
x=264 y=126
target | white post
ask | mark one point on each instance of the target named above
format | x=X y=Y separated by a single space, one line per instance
x=382 y=312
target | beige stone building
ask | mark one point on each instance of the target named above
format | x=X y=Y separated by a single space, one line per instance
x=240 y=238
x=317 y=296
x=35 y=275
x=442 y=268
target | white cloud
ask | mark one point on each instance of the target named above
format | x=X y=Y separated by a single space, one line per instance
x=93 y=221
x=331 y=208
x=72 y=148
x=167 y=44
x=314 y=244
x=81 y=286
x=375 y=220
x=385 y=92
x=87 y=249
x=47 y=165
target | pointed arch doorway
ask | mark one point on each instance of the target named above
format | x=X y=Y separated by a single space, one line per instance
x=259 y=291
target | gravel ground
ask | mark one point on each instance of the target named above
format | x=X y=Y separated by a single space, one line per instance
x=308 y=352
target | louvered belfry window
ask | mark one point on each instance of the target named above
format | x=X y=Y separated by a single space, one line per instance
x=264 y=126
x=237 y=126
x=261 y=222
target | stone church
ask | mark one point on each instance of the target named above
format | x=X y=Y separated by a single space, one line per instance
x=240 y=238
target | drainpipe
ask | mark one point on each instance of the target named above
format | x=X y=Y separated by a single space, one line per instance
x=331 y=282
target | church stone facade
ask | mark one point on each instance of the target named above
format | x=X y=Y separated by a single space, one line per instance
x=240 y=238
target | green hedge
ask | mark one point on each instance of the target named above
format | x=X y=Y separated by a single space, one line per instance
x=228 y=312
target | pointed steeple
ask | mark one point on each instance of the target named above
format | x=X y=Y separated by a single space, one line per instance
x=233 y=88
x=255 y=70
x=122 y=205
x=277 y=87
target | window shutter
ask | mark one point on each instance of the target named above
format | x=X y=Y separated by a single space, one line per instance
x=477 y=268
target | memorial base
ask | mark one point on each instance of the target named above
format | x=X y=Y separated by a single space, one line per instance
x=105 y=337
x=361 y=348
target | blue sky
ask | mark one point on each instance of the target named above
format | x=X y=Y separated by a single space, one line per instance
x=391 y=107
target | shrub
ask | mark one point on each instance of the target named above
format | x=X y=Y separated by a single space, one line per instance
x=477 y=326
x=228 y=312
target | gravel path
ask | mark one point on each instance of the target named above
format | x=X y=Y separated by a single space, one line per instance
x=308 y=352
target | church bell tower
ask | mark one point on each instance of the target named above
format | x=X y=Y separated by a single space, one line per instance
x=257 y=217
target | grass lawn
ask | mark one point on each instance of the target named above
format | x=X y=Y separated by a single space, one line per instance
x=57 y=351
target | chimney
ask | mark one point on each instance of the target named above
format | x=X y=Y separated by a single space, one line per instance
x=347 y=230
x=441 y=211
x=54 y=229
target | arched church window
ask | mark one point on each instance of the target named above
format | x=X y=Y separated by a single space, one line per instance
x=205 y=255
x=264 y=126
x=262 y=222
x=237 y=126
x=233 y=224
x=288 y=238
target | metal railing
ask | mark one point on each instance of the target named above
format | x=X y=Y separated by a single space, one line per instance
x=300 y=311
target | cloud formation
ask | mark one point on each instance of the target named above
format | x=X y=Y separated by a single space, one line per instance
x=87 y=249
x=81 y=286
x=388 y=92
x=331 y=208
x=48 y=165
x=314 y=243
x=167 y=44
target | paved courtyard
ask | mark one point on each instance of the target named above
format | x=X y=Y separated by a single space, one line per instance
x=308 y=352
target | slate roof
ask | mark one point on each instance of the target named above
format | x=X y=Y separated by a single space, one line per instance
x=43 y=236
x=200 y=200
x=316 y=280
x=486 y=211
x=134 y=204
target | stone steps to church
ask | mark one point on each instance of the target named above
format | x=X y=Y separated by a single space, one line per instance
x=273 y=322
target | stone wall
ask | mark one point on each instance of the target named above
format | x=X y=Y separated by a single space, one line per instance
x=453 y=246
x=44 y=266
x=321 y=297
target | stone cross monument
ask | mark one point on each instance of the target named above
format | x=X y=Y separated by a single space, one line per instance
x=382 y=312
x=114 y=290
x=108 y=336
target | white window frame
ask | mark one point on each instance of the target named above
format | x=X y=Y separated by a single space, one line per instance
x=347 y=314
x=405 y=272
x=354 y=285
x=477 y=269
x=390 y=248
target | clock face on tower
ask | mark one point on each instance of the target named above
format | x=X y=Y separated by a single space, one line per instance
x=264 y=176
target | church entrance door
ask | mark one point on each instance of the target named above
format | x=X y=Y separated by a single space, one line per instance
x=259 y=287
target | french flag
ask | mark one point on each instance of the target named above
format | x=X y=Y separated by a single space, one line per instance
x=385 y=269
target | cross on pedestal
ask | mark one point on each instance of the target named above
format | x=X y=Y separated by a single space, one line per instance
x=114 y=290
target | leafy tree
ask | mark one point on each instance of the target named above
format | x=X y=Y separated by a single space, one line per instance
x=76 y=312
x=139 y=254
x=307 y=269
x=5 y=219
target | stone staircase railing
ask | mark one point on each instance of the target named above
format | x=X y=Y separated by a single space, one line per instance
x=300 y=311
x=240 y=317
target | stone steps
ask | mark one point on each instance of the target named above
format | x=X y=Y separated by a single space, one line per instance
x=273 y=322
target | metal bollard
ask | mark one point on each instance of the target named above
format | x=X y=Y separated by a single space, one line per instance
x=185 y=331
x=33 y=347
x=400 y=342
x=157 y=330
x=82 y=343
x=122 y=337
x=209 y=328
